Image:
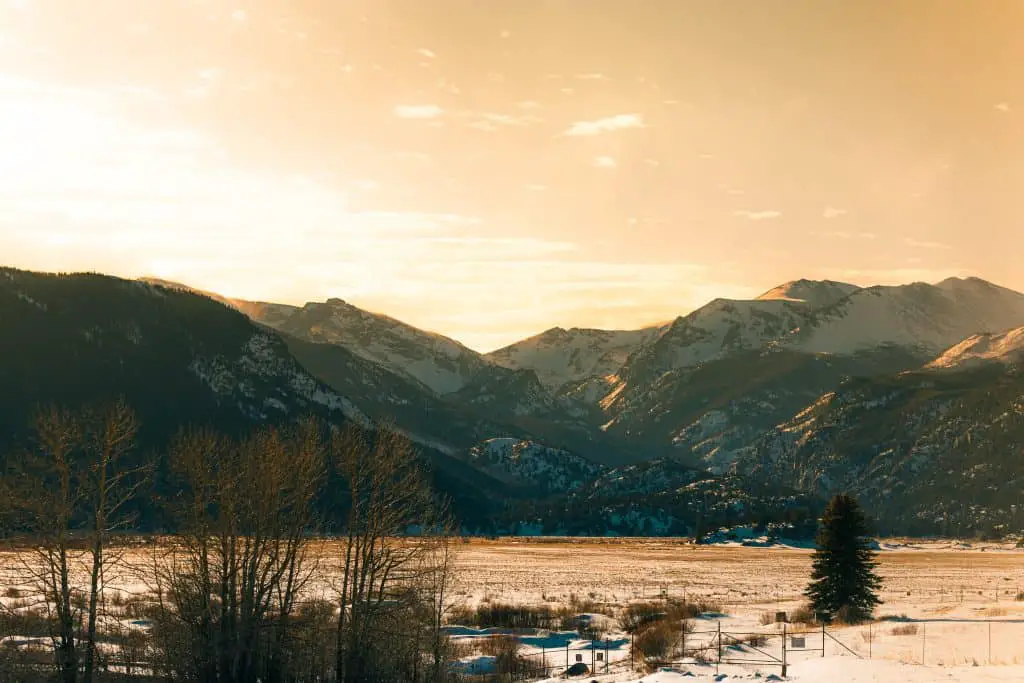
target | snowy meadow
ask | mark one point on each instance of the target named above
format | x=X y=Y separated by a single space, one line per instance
x=952 y=611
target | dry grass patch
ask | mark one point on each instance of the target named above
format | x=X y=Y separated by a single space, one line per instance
x=905 y=630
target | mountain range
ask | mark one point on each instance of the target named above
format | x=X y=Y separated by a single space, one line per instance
x=910 y=396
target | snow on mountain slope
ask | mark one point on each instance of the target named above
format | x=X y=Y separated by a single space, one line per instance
x=719 y=329
x=919 y=315
x=980 y=348
x=434 y=361
x=814 y=293
x=527 y=463
x=560 y=356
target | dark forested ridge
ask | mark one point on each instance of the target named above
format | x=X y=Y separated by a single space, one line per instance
x=177 y=358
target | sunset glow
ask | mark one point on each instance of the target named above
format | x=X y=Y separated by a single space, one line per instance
x=489 y=170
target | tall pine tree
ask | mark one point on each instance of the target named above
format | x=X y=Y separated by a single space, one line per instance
x=843 y=579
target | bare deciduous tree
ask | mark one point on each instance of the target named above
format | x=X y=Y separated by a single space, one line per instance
x=383 y=569
x=242 y=563
x=69 y=493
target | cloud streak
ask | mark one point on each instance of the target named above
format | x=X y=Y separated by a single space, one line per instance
x=925 y=244
x=758 y=215
x=606 y=125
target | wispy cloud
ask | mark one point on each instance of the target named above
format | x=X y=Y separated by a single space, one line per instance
x=1002 y=106
x=491 y=121
x=605 y=162
x=925 y=244
x=424 y=52
x=596 y=76
x=605 y=125
x=843 y=234
x=758 y=215
x=832 y=212
x=418 y=111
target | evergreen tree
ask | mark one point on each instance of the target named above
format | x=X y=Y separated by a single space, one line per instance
x=843 y=579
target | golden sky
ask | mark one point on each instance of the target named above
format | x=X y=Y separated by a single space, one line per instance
x=491 y=169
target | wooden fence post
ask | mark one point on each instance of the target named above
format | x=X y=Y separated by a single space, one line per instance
x=719 y=639
x=784 y=634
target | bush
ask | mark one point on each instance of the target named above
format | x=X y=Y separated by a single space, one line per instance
x=803 y=615
x=850 y=616
x=639 y=614
x=31 y=623
x=655 y=641
x=502 y=615
x=905 y=630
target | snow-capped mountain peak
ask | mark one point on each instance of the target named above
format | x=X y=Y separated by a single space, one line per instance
x=815 y=293
x=921 y=316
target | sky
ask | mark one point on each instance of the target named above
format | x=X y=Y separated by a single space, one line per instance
x=488 y=169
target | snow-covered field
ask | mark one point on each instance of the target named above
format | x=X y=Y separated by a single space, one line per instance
x=954 y=604
x=951 y=605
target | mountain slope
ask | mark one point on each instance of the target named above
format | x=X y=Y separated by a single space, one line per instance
x=922 y=316
x=561 y=356
x=927 y=452
x=536 y=467
x=712 y=412
x=432 y=360
x=983 y=348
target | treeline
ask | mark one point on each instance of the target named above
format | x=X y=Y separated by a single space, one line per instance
x=249 y=587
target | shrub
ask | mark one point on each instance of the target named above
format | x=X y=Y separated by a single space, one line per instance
x=1020 y=596
x=655 y=641
x=850 y=616
x=497 y=646
x=639 y=614
x=905 y=630
x=502 y=615
x=803 y=615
